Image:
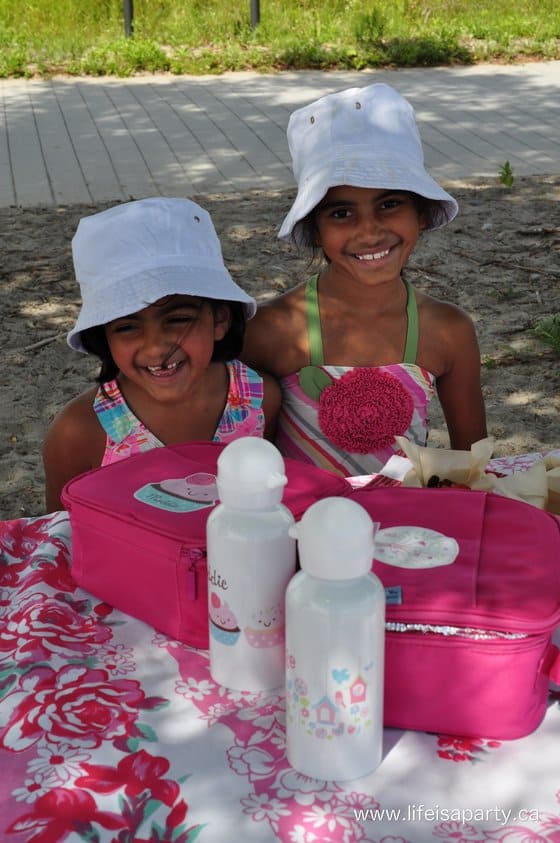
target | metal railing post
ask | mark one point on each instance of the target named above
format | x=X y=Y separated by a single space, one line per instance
x=128 y=11
x=255 y=13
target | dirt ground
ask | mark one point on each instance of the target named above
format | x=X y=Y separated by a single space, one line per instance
x=499 y=260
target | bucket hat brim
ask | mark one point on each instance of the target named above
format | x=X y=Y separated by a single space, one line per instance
x=360 y=137
x=358 y=171
x=142 y=289
x=134 y=254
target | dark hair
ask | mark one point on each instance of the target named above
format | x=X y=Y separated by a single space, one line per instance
x=94 y=340
x=230 y=346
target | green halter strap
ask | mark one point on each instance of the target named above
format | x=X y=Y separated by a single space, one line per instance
x=314 y=324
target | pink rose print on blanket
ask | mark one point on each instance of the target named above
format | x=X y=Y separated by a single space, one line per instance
x=54 y=573
x=136 y=773
x=364 y=410
x=44 y=561
x=26 y=534
x=39 y=628
x=9 y=576
x=268 y=627
x=77 y=703
x=60 y=812
x=453 y=748
x=141 y=776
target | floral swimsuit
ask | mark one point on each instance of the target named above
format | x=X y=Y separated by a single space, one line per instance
x=346 y=418
x=127 y=435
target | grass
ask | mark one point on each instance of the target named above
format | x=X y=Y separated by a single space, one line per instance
x=39 y=37
x=506 y=175
x=548 y=331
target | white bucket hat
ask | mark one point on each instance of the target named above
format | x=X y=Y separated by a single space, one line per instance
x=133 y=254
x=361 y=137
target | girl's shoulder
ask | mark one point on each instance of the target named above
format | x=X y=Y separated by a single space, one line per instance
x=74 y=443
x=447 y=336
x=77 y=420
x=82 y=403
x=282 y=307
x=444 y=314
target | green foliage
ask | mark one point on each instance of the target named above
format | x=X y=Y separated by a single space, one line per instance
x=426 y=51
x=506 y=174
x=548 y=330
x=122 y=57
x=201 y=36
x=13 y=63
x=370 y=26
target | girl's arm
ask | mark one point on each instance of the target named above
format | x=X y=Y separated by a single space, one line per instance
x=276 y=337
x=74 y=443
x=272 y=398
x=259 y=348
x=459 y=387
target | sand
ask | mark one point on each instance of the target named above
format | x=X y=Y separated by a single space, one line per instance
x=499 y=260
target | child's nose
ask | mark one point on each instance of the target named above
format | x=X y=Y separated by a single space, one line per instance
x=155 y=339
x=370 y=224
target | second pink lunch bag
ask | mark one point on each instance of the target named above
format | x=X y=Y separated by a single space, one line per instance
x=473 y=597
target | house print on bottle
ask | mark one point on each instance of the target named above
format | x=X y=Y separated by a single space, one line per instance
x=326 y=716
x=346 y=711
x=357 y=691
x=325 y=711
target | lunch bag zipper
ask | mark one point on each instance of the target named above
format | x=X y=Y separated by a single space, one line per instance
x=195 y=559
x=446 y=630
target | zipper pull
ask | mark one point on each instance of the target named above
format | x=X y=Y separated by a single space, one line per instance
x=196 y=559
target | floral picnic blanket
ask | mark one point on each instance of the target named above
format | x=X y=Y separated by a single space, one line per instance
x=111 y=732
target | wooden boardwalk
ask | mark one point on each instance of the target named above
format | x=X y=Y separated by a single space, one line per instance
x=83 y=140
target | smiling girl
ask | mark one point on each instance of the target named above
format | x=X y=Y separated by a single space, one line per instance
x=166 y=320
x=359 y=352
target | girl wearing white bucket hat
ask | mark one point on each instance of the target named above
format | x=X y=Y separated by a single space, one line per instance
x=162 y=313
x=358 y=352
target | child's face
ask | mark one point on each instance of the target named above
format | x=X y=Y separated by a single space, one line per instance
x=166 y=348
x=368 y=233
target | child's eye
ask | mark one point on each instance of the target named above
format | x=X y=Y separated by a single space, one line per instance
x=393 y=202
x=123 y=327
x=390 y=203
x=181 y=319
x=340 y=213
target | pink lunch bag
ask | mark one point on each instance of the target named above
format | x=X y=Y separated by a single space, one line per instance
x=139 y=531
x=473 y=597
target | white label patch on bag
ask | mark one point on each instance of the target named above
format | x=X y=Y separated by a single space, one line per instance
x=393 y=595
x=414 y=547
x=180 y=494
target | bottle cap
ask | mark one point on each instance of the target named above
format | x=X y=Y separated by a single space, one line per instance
x=335 y=539
x=251 y=474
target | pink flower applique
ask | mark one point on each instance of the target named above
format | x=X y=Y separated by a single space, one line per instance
x=364 y=410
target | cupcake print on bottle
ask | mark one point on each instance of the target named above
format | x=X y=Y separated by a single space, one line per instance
x=223 y=623
x=266 y=627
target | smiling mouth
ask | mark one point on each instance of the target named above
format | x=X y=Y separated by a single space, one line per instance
x=373 y=256
x=164 y=371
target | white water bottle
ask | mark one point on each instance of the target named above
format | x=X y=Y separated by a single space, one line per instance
x=251 y=558
x=335 y=636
